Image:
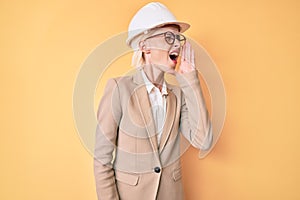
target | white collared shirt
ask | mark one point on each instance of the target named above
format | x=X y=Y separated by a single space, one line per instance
x=158 y=102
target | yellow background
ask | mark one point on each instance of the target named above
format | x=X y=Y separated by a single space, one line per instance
x=255 y=45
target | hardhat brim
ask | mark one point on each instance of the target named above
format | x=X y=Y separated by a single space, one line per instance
x=183 y=27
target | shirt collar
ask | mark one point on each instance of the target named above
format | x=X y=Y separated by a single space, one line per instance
x=150 y=86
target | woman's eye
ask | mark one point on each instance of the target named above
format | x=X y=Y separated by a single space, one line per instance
x=169 y=39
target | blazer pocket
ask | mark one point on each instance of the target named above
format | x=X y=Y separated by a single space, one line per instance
x=130 y=179
x=177 y=174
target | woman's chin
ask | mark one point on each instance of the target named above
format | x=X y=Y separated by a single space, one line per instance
x=168 y=67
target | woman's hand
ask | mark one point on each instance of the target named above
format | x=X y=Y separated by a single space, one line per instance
x=187 y=63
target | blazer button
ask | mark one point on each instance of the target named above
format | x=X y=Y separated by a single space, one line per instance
x=156 y=169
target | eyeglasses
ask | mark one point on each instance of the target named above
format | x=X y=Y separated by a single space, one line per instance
x=170 y=37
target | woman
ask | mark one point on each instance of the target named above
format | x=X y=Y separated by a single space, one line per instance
x=142 y=118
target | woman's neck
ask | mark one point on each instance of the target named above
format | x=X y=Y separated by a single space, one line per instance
x=154 y=75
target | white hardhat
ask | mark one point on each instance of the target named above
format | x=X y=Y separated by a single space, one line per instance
x=151 y=16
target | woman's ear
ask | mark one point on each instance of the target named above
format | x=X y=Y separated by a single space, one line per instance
x=143 y=47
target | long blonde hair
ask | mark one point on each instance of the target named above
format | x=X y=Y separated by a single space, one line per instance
x=137 y=60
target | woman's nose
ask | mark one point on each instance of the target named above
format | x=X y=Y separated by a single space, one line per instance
x=176 y=43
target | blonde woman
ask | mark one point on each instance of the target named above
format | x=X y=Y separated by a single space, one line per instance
x=143 y=120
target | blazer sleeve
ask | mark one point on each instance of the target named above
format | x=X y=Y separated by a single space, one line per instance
x=108 y=117
x=195 y=123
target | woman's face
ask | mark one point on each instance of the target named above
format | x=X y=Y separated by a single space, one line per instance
x=158 y=52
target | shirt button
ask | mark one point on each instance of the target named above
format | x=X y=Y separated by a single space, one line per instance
x=156 y=169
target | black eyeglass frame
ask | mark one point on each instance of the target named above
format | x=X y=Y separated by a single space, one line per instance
x=181 y=38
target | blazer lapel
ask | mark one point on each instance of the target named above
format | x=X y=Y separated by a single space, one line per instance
x=144 y=106
x=169 y=120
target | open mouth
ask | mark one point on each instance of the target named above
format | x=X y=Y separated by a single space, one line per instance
x=173 y=56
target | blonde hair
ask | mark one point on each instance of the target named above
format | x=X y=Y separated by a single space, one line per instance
x=137 y=59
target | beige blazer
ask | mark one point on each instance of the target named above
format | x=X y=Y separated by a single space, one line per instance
x=129 y=164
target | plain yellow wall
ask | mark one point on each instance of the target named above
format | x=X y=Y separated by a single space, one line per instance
x=254 y=43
